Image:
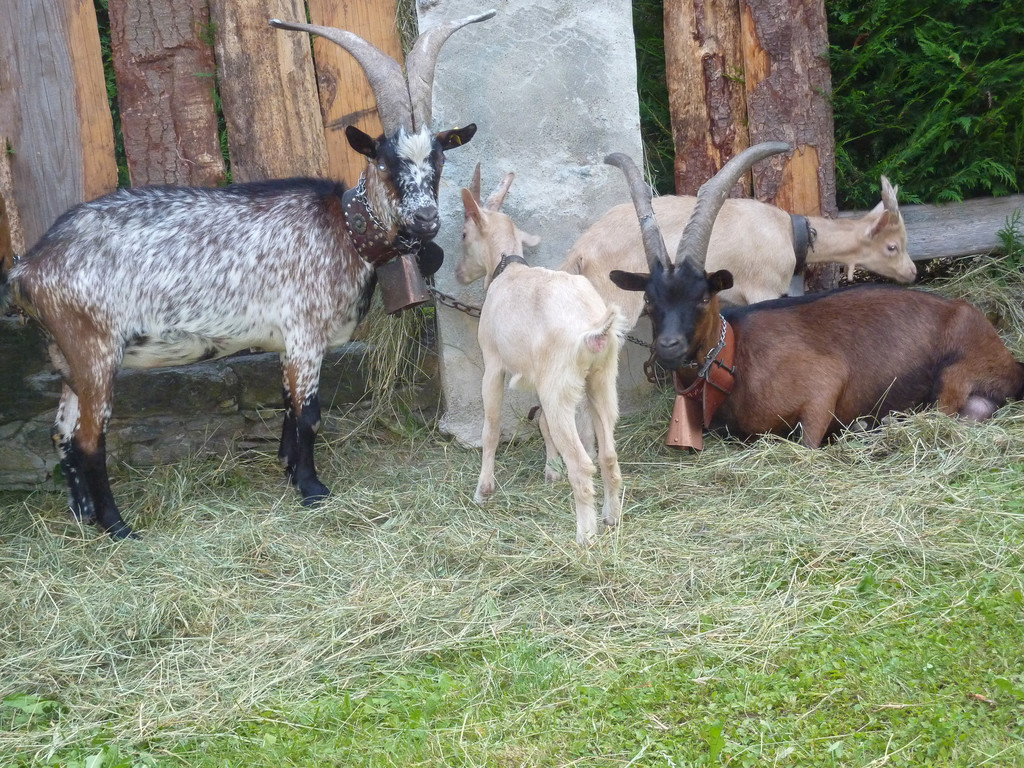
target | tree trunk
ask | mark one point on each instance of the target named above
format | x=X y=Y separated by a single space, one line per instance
x=785 y=52
x=53 y=108
x=704 y=63
x=268 y=89
x=345 y=95
x=163 y=59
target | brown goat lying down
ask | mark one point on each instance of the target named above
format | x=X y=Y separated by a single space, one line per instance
x=797 y=363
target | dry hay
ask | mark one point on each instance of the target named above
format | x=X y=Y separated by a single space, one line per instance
x=237 y=597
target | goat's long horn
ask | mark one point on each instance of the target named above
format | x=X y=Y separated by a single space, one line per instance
x=422 y=60
x=383 y=72
x=654 y=243
x=693 y=247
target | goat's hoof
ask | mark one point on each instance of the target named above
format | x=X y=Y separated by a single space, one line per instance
x=611 y=522
x=552 y=475
x=85 y=518
x=120 y=531
x=483 y=495
x=586 y=539
x=313 y=492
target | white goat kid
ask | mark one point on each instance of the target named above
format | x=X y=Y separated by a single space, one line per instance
x=755 y=241
x=552 y=332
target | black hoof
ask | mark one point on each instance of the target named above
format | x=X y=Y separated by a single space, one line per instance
x=120 y=530
x=313 y=492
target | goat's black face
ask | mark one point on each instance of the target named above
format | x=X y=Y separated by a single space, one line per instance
x=410 y=165
x=678 y=298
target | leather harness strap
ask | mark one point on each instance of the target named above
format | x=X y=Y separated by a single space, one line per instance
x=695 y=405
x=716 y=377
x=803 y=240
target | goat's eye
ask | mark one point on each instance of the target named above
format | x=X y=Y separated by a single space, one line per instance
x=892 y=247
x=382 y=167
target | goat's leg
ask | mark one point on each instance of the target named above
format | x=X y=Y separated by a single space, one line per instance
x=301 y=424
x=493 y=393
x=551 y=473
x=578 y=465
x=81 y=444
x=603 y=408
x=80 y=499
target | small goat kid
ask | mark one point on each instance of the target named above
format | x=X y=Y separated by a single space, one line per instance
x=159 y=276
x=823 y=360
x=552 y=332
x=755 y=241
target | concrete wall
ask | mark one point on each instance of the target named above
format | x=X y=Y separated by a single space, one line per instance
x=552 y=87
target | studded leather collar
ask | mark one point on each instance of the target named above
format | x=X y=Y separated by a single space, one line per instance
x=373 y=242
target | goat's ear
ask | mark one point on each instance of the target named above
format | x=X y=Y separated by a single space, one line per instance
x=878 y=220
x=495 y=200
x=531 y=241
x=471 y=205
x=629 y=281
x=456 y=137
x=361 y=142
x=720 y=280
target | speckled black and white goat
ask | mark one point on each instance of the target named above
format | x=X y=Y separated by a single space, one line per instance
x=159 y=276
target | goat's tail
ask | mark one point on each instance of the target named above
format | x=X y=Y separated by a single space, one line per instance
x=609 y=332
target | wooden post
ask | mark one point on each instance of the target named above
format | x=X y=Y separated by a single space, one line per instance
x=53 y=102
x=268 y=90
x=163 y=59
x=788 y=82
x=705 y=89
x=345 y=95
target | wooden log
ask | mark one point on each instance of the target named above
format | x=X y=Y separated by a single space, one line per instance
x=704 y=68
x=788 y=82
x=268 y=90
x=957 y=229
x=163 y=59
x=345 y=95
x=56 y=114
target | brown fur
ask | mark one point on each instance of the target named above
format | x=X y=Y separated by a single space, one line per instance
x=797 y=362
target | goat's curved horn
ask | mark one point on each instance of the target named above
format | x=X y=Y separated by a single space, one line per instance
x=693 y=247
x=382 y=71
x=654 y=243
x=422 y=59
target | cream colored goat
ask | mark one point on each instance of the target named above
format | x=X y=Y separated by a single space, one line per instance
x=551 y=332
x=753 y=240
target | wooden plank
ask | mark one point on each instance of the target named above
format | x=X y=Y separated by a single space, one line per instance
x=704 y=68
x=345 y=95
x=788 y=82
x=163 y=59
x=956 y=229
x=57 y=116
x=12 y=237
x=268 y=90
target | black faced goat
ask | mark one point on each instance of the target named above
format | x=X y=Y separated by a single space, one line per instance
x=821 y=361
x=158 y=276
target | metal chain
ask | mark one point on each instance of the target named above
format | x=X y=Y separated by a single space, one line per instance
x=451 y=301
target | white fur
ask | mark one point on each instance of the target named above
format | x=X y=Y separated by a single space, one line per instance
x=551 y=332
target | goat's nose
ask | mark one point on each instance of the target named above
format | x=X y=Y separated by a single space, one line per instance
x=425 y=218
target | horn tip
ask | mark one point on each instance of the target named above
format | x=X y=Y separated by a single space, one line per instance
x=616 y=159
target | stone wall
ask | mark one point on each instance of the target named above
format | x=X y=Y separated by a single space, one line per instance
x=552 y=89
x=159 y=415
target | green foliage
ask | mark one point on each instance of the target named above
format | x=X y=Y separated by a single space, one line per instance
x=928 y=92
x=1012 y=238
x=655 y=120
